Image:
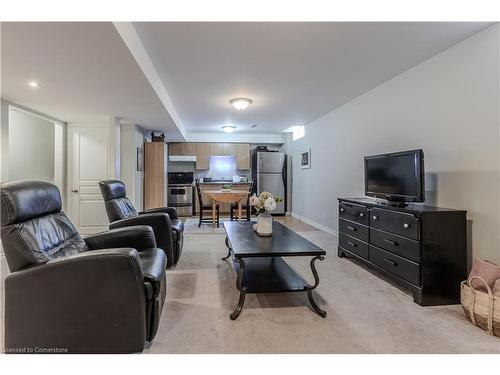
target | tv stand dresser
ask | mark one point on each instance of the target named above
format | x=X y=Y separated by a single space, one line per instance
x=422 y=248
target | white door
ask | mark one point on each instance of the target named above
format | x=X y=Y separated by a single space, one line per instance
x=88 y=152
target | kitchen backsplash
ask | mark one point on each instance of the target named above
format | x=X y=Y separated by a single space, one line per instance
x=183 y=166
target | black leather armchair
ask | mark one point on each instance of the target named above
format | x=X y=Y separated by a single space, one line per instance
x=167 y=227
x=99 y=294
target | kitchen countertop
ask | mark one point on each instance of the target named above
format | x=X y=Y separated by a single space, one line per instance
x=224 y=182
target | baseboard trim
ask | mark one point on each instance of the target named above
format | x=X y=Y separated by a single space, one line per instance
x=314 y=224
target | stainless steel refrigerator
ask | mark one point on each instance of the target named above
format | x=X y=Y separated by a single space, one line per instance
x=269 y=172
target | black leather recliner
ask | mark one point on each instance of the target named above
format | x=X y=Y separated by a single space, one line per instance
x=168 y=228
x=99 y=294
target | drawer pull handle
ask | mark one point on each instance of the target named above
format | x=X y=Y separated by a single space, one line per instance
x=361 y=214
x=406 y=225
x=394 y=243
x=352 y=244
x=351 y=228
x=342 y=209
x=391 y=262
x=375 y=217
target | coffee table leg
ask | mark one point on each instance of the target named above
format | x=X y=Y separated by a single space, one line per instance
x=310 y=288
x=242 y=290
x=228 y=249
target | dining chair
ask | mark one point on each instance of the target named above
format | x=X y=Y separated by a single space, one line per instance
x=246 y=206
x=205 y=207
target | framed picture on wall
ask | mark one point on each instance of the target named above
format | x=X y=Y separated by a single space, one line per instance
x=140 y=159
x=305 y=159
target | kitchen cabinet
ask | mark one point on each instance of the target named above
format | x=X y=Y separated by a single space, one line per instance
x=154 y=175
x=229 y=149
x=243 y=156
x=203 y=151
x=182 y=149
x=175 y=149
x=188 y=149
x=216 y=149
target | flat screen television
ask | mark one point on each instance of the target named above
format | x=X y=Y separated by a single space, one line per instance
x=397 y=177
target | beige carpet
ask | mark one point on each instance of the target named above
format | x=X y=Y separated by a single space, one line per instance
x=365 y=313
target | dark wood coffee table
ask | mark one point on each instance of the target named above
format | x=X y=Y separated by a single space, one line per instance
x=259 y=264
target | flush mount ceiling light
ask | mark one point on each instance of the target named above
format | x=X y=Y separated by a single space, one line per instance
x=33 y=84
x=240 y=103
x=229 y=128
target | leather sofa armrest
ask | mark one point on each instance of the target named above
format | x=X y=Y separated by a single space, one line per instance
x=161 y=225
x=170 y=211
x=138 y=237
x=76 y=304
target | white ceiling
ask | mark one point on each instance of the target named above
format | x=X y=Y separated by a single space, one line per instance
x=294 y=72
x=85 y=72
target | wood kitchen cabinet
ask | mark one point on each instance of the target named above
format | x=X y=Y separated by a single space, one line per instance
x=203 y=151
x=188 y=149
x=243 y=156
x=175 y=149
x=229 y=149
x=181 y=149
x=154 y=174
x=216 y=149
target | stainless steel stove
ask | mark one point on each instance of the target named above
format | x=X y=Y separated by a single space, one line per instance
x=180 y=192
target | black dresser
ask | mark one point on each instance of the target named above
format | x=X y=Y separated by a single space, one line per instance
x=422 y=248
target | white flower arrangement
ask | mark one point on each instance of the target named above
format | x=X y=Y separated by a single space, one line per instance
x=265 y=202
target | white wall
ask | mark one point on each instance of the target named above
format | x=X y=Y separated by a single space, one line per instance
x=131 y=138
x=449 y=107
x=31 y=147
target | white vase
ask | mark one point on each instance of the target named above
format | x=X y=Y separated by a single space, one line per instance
x=264 y=224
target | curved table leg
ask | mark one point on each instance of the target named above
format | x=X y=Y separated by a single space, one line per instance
x=228 y=250
x=310 y=288
x=241 y=300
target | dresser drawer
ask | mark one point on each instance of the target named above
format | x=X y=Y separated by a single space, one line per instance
x=396 y=244
x=353 y=229
x=353 y=212
x=353 y=245
x=395 y=264
x=400 y=223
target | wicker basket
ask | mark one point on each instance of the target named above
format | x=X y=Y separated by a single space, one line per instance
x=482 y=309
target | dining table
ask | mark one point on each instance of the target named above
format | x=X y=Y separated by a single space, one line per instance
x=226 y=196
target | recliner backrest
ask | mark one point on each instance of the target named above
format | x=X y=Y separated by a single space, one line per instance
x=33 y=227
x=118 y=206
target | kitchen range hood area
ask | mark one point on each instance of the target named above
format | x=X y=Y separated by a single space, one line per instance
x=191 y=158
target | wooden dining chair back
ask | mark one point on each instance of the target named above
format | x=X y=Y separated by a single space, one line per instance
x=204 y=207
x=245 y=206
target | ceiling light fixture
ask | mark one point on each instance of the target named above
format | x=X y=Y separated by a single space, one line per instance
x=229 y=128
x=240 y=103
x=33 y=84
